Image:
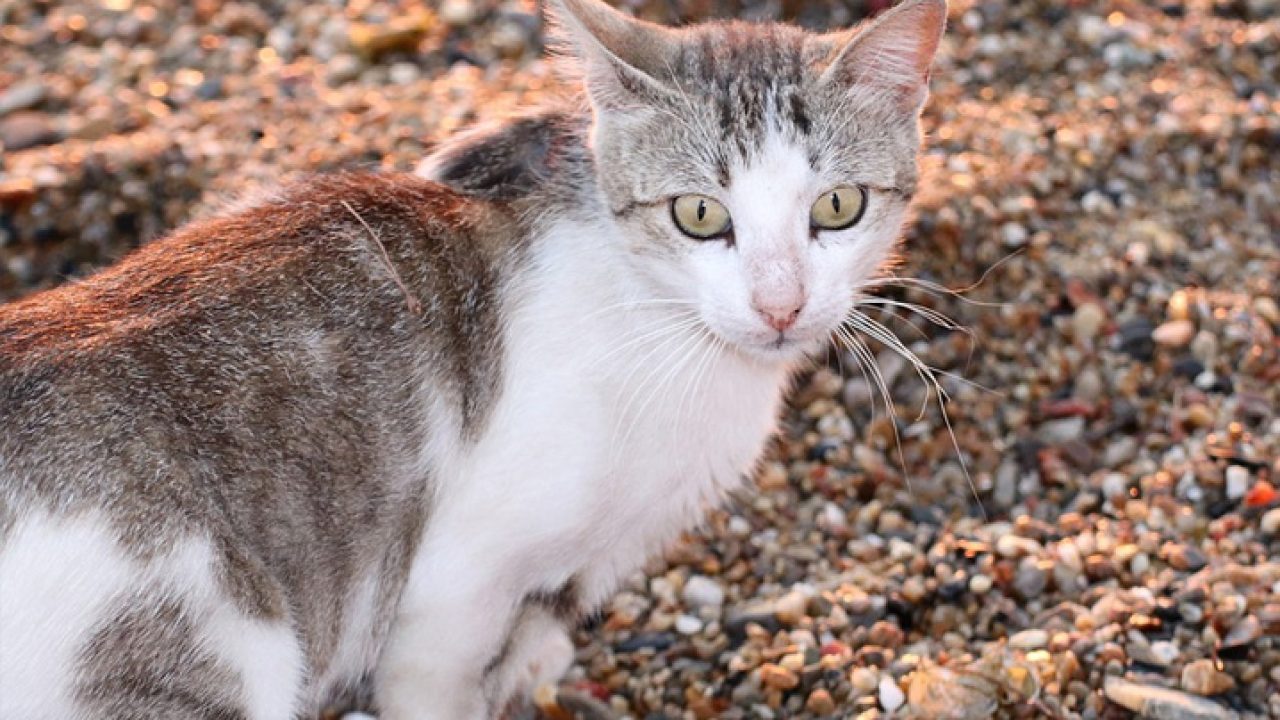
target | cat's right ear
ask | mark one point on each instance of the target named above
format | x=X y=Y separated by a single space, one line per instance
x=624 y=62
x=891 y=55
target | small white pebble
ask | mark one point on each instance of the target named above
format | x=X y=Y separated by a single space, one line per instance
x=1029 y=639
x=891 y=696
x=1270 y=525
x=701 y=591
x=979 y=584
x=1237 y=481
x=688 y=625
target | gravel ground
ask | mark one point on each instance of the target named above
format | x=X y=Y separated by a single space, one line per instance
x=1099 y=537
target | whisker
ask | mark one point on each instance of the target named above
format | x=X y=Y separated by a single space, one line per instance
x=934 y=316
x=957 y=293
x=867 y=360
x=628 y=304
x=691 y=388
x=874 y=329
x=882 y=333
x=648 y=331
x=684 y=352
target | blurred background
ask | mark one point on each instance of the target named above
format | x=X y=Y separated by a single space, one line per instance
x=1091 y=527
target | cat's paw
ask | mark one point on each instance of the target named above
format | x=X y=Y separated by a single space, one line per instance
x=547 y=658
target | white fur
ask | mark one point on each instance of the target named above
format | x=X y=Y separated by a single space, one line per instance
x=55 y=579
x=603 y=448
x=549 y=493
x=61 y=577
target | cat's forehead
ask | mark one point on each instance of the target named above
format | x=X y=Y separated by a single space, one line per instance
x=719 y=55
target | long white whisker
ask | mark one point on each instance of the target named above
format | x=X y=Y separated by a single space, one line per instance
x=867 y=359
x=641 y=302
x=934 y=316
x=683 y=352
x=881 y=333
x=690 y=391
x=649 y=331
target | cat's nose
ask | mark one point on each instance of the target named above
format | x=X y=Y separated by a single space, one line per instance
x=780 y=316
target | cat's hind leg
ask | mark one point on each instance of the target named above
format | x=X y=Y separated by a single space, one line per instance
x=91 y=629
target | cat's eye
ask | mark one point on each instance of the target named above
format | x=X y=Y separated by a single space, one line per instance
x=699 y=216
x=839 y=208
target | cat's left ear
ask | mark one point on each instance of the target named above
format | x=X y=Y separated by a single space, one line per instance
x=624 y=61
x=891 y=55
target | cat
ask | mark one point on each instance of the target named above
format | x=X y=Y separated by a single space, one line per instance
x=406 y=431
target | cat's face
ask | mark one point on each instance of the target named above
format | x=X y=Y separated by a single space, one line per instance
x=760 y=173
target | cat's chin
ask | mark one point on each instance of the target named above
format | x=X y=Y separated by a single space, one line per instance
x=783 y=351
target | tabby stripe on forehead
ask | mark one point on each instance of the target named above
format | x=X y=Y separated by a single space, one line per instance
x=798 y=114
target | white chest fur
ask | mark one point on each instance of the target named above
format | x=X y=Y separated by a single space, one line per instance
x=614 y=429
x=615 y=426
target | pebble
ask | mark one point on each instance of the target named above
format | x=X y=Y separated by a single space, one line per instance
x=864 y=680
x=343 y=68
x=27 y=129
x=1134 y=338
x=403 y=33
x=22 y=96
x=701 y=591
x=778 y=677
x=458 y=13
x=1014 y=546
x=1158 y=703
x=1014 y=235
x=688 y=625
x=820 y=702
x=1202 y=677
x=1243 y=633
x=1174 y=334
x=1062 y=430
x=1267 y=309
x=1030 y=581
x=1088 y=320
x=979 y=584
x=790 y=608
x=891 y=696
x=1029 y=639
x=1184 y=557
x=1238 y=481
x=1270 y=522
x=940 y=692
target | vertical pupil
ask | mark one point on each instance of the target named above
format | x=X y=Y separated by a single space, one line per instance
x=702 y=210
x=835 y=202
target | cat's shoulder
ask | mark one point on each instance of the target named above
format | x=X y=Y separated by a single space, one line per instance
x=511 y=158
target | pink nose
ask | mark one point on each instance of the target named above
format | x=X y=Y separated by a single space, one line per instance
x=780 y=318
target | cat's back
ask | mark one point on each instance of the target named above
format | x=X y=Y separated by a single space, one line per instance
x=314 y=297
x=250 y=258
x=217 y=412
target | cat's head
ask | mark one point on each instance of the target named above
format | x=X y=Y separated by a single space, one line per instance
x=756 y=170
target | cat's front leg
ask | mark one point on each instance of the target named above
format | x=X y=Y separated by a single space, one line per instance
x=463 y=646
x=433 y=665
